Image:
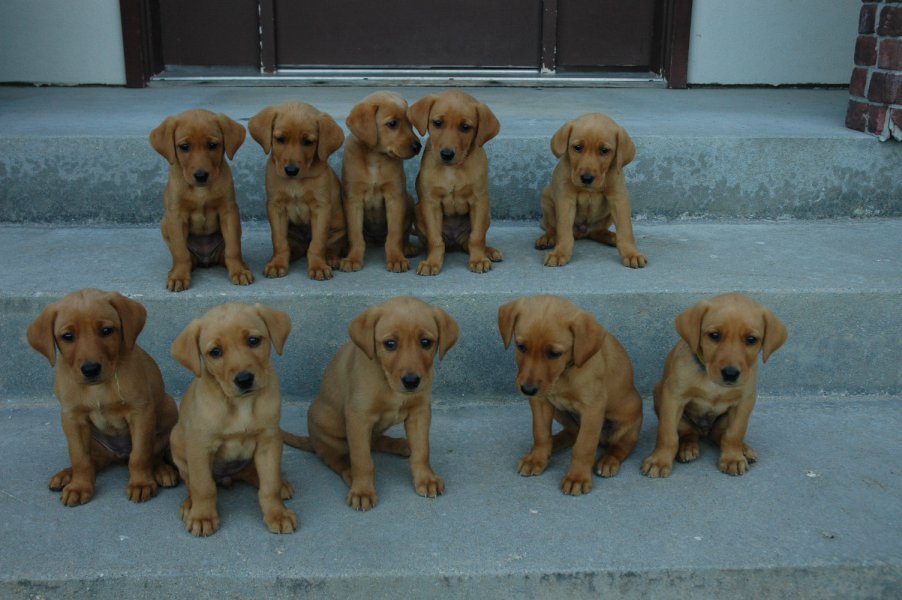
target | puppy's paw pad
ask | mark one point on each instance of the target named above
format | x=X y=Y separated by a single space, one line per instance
x=608 y=466
x=283 y=520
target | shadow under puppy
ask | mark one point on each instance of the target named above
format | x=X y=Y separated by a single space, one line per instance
x=577 y=373
x=378 y=206
x=588 y=191
x=710 y=382
x=380 y=378
x=228 y=424
x=201 y=222
x=454 y=210
x=114 y=407
x=303 y=193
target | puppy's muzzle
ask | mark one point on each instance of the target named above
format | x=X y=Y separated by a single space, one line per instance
x=410 y=381
x=587 y=178
x=416 y=147
x=730 y=375
x=447 y=154
x=529 y=389
x=90 y=370
x=292 y=170
x=201 y=176
x=244 y=381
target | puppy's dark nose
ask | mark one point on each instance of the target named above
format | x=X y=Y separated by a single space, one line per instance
x=529 y=389
x=201 y=176
x=292 y=170
x=447 y=155
x=410 y=381
x=244 y=380
x=730 y=374
x=586 y=178
x=91 y=370
x=416 y=147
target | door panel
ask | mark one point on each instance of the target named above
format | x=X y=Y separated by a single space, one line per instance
x=595 y=34
x=210 y=32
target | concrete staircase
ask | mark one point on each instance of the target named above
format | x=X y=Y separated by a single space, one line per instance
x=761 y=191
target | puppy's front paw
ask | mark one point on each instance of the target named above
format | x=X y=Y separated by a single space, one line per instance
x=141 y=490
x=165 y=475
x=178 y=281
x=276 y=268
x=657 y=466
x=320 y=272
x=733 y=464
x=634 y=260
x=286 y=492
x=481 y=265
x=689 y=451
x=429 y=485
x=349 y=265
x=400 y=265
x=362 y=498
x=494 y=254
x=410 y=250
x=546 y=242
x=532 y=464
x=281 y=520
x=60 y=480
x=77 y=493
x=199 y=523
x=428 y=267
x=608 y=466
x=241 y=276
x=577 y=483
x=556 y=259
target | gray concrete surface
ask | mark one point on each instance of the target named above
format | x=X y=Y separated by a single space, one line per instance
x=836 y=284
x=817 y=517
x=81 y=154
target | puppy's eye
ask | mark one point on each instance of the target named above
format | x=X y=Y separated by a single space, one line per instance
x=68 y=337
x=751 y=340
x=185 y=147
x=553 y=354
x=106 y=331
x=521 y=348
x=604 y=151
x=714 y=336
x=307 y=142
x=390 y=345
x=465 y=127
x=393 y=124
x=212 y=145
x=426 y=343
x=437 y=123
x=215 y=352
x=577 y=148
x=280 y=139
x=253 y=341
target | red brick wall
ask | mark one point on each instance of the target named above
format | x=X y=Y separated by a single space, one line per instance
x=875 y=103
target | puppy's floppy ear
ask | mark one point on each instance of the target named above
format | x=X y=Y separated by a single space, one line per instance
x=260 y=127
x=277 y=323
x=40 y=333
x=331 y=137
x=185 y=348
x=363 y=331
x=132 y=316
x=689 y=324
x=161 y=139
x=626 y=149
x=418 y=113
x=233 y=134
x=362 y=123
x=489 y=126
x=448 y=331
x=588 y=336
x=561 y=139
x=775 y=335
x=507 y=319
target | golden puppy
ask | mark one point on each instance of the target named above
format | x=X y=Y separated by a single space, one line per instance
x=575 y=372
x=377 y=204
x=229 y=417
x=114 y=406
x=303 y=194
x=201 y=223
x=382 y=377
x=588 y=191
x=710 y=382
x=453 y=182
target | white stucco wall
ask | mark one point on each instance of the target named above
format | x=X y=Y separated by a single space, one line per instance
x=772 y=41
x=61 y=41
x=732 y=41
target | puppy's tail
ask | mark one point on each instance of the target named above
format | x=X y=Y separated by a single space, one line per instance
x=297 y=441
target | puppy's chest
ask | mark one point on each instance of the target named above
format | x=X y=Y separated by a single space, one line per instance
x=105 y=410
x=708 y=401
x=240 y=430
x=590 y=207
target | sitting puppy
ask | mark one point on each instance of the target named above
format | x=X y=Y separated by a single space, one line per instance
x=229 y=418
x=710 y=382
x=588 y=191
x=575 y=372
x=114 y=406
x=453 y=182
x=382 y=377
x=377 y=204
x=201 y=223
x=303 y=194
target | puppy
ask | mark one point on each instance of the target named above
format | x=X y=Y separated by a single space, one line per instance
x=575 y=372
x=377 y=204
x=453 y=182
x=228 y=424
x=303 y=194
x=710 y=382
x=114 y=406
x=201 y=223
x=588 y=191
x=382 y=377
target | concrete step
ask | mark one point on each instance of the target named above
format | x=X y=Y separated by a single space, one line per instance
x=835 y=284
x=82 y=155
x=816 y=518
